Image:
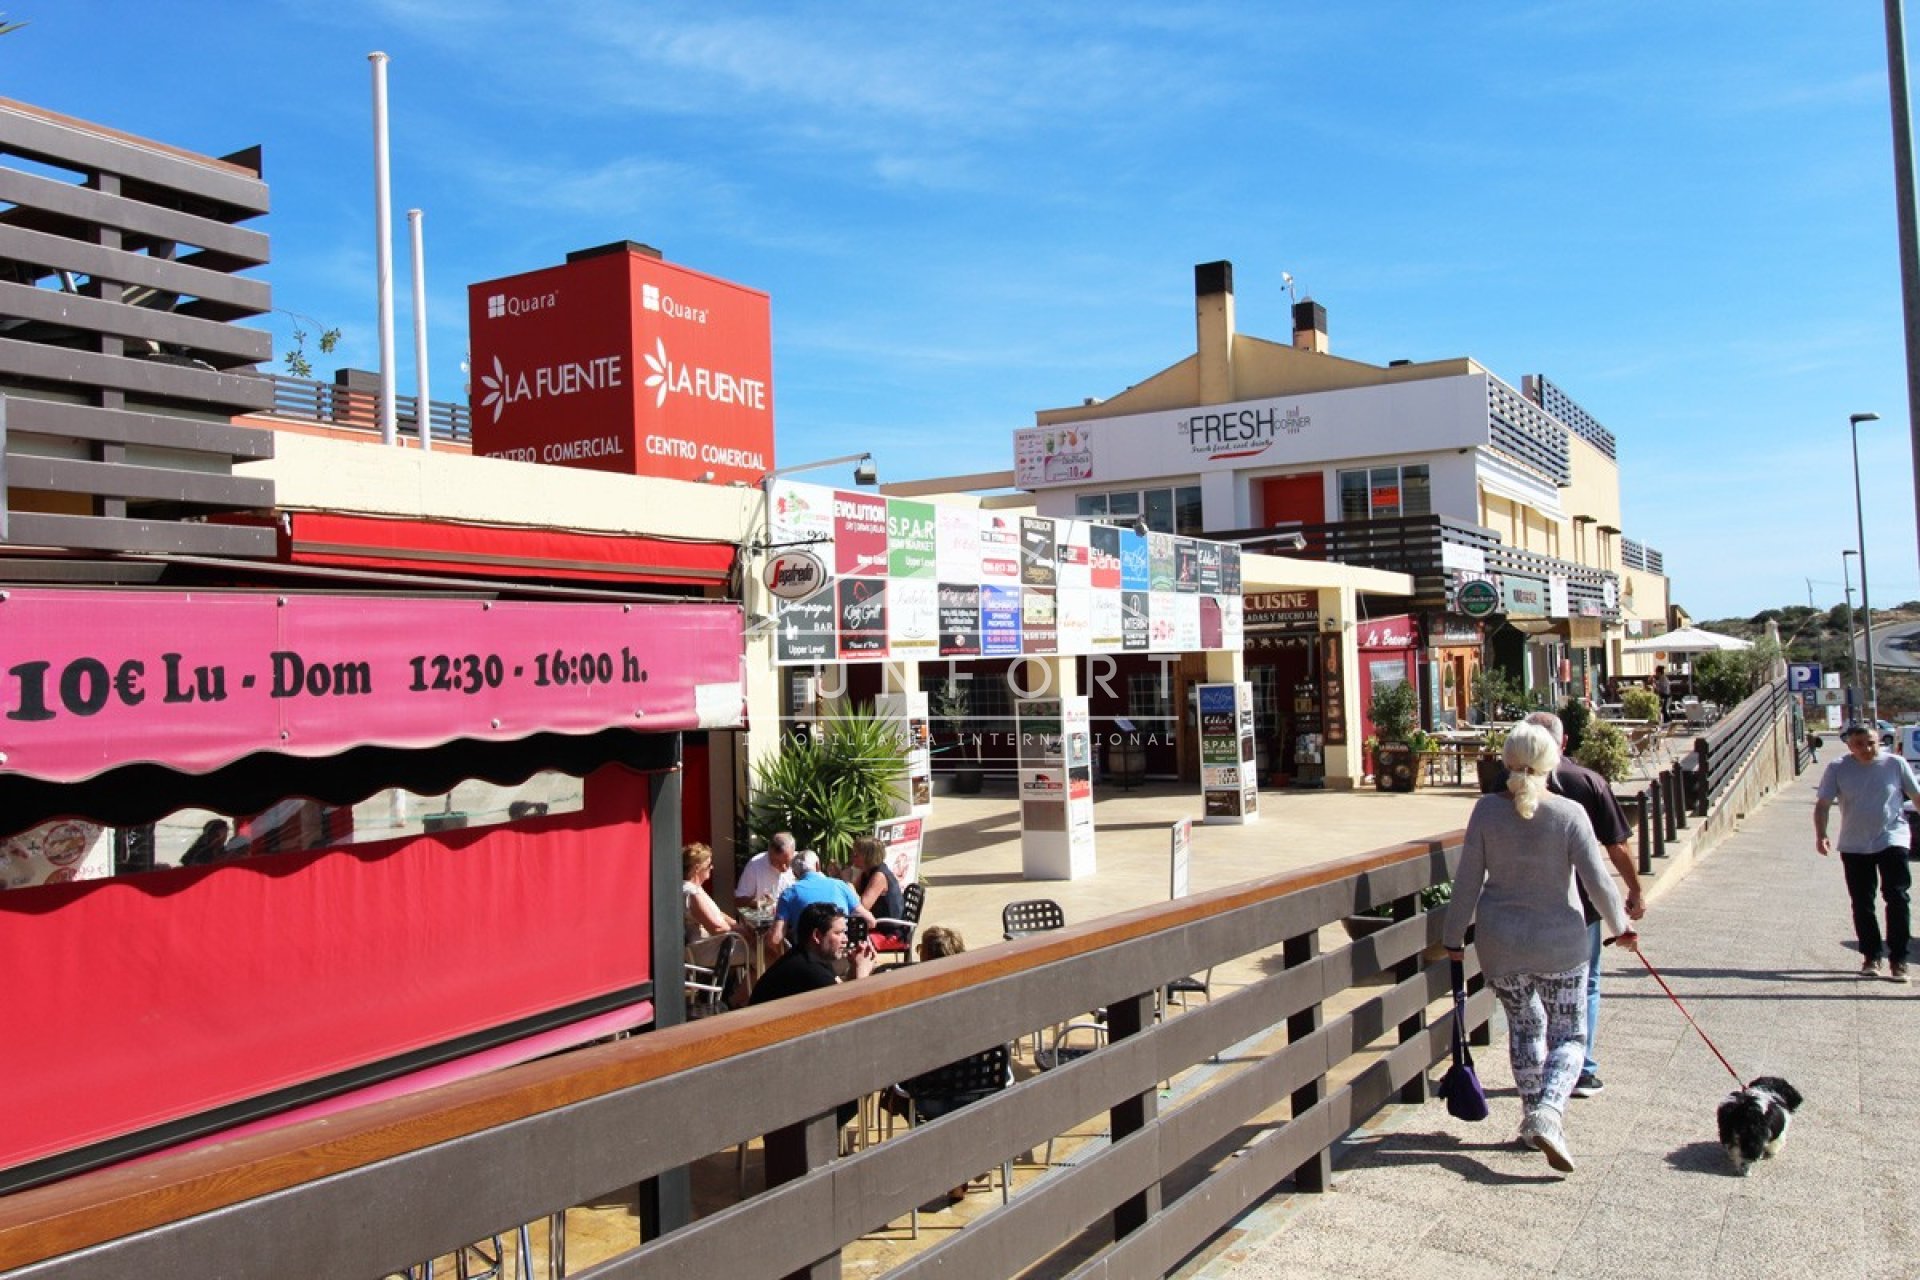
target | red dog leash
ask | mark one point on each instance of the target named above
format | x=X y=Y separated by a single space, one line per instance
x=1689 y=1017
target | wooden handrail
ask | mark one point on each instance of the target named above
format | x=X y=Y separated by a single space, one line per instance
x=97 y=1207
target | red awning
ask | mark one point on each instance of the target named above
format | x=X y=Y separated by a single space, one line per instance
x=421 y=546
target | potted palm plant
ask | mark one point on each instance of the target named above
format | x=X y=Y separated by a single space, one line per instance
x=832 y=789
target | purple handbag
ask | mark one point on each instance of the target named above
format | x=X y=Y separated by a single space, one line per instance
x=1466 y=1100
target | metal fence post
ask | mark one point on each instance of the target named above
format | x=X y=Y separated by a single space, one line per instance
x=795 y=1151
x=1704 y=794
x=1413 y=1091
x=1317 y=1173
x=1135 y=1112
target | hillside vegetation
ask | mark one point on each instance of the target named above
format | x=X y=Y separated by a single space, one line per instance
x=1820 y=635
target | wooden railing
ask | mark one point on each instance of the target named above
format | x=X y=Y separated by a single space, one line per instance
x=372 y=1191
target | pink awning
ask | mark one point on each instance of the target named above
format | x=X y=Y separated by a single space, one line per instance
x=92 y=680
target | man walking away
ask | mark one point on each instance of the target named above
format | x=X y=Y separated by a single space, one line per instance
x=1870 y=789
x=1594 y=794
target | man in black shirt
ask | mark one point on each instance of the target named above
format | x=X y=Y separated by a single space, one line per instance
x=1593 y=793
x=821 y=933
x=822 y=937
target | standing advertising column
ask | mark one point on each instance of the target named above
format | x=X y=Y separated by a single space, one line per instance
x=1056 y=788
x=1227 y=782
x=908 y=714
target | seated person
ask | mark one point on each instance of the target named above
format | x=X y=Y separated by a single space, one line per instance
x=878 y=887
x=704 y=919
x=820 y=938
x=767 y=874
x=933 y=1092
x=810 y=886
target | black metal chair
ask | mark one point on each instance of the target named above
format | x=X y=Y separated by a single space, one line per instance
x=1031 y=915
x=945 y=1090
x=711 y=988
x=893 y=938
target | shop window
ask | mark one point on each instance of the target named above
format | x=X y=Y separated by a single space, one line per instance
x=1187 y=518
x=1149 y=696
x=1386 y=493
x=1170 y=510
x=56 y=852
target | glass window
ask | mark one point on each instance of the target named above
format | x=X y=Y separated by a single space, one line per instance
x=1123 y=505
x=1416 y=491
x=1160 y=510
x=1148 y=695
x=71 y=849
x=1383 y=484
x=1186 y=510
x=1353 y=495
x=1093 y=505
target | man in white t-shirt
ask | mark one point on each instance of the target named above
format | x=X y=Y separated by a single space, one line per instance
x=1870 y=789
x=768 y=874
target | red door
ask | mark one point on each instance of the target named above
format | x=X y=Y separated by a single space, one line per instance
x=1287 y=498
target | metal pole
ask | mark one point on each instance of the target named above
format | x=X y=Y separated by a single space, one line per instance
x=1866 y=605
x=1904 y=207
x=422 y=404
x=383 y=248
x=1853 y=657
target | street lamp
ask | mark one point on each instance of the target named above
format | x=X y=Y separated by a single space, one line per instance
x=1853 y=660
x=1860 y=531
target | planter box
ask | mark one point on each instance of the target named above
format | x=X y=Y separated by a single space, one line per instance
x=1399 y=767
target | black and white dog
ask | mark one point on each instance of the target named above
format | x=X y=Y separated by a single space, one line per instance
x=1754 y=1120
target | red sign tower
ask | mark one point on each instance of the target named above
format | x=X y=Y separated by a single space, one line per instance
x=620 y=361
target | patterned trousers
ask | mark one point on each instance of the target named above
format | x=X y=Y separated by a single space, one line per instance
x=1546 y=1033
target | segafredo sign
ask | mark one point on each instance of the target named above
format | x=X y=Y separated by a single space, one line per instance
x=622 y=362
x=795 y=574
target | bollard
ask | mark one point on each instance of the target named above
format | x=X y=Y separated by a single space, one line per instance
x=1646 y=843
x=1657 y=795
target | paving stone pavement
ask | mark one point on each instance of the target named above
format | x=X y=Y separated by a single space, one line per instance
x=1758 y=942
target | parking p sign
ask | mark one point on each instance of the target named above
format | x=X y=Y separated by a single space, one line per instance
x=1802 y=676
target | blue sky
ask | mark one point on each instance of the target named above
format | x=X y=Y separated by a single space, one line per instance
x=1681 y=213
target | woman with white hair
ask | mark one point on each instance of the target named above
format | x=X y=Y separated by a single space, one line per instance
x=1516 y=877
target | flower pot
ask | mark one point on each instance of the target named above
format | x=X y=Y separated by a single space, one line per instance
x=1490 y=768
x=967 y=779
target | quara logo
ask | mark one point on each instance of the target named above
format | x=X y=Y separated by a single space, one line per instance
x=666 y=377
x=496 y=306
x=650 y=296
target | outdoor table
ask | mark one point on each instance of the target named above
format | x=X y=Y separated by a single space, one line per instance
x=761 y=922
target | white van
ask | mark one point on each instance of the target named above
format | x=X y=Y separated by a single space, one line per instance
x=1907 y=742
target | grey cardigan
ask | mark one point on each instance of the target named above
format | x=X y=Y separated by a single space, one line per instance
x=1516 y=877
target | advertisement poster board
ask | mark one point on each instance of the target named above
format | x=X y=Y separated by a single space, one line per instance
x=1229 y=789
x=1056 y=788
x=903 y=837
x=908 y=714
x=913 y=580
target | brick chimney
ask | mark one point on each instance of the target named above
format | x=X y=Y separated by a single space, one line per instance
x=1309 y=326
x=1213 y=326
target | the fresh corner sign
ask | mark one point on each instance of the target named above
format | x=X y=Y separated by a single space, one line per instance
x=861 y=577
x=618 y=361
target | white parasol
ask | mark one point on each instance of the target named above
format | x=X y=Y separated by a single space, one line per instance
x=1686 y=640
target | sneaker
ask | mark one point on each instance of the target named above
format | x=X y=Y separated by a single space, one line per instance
x=1898 y=973
x=1552 y=1141
x=1870 y=967
x=1587 y=1085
